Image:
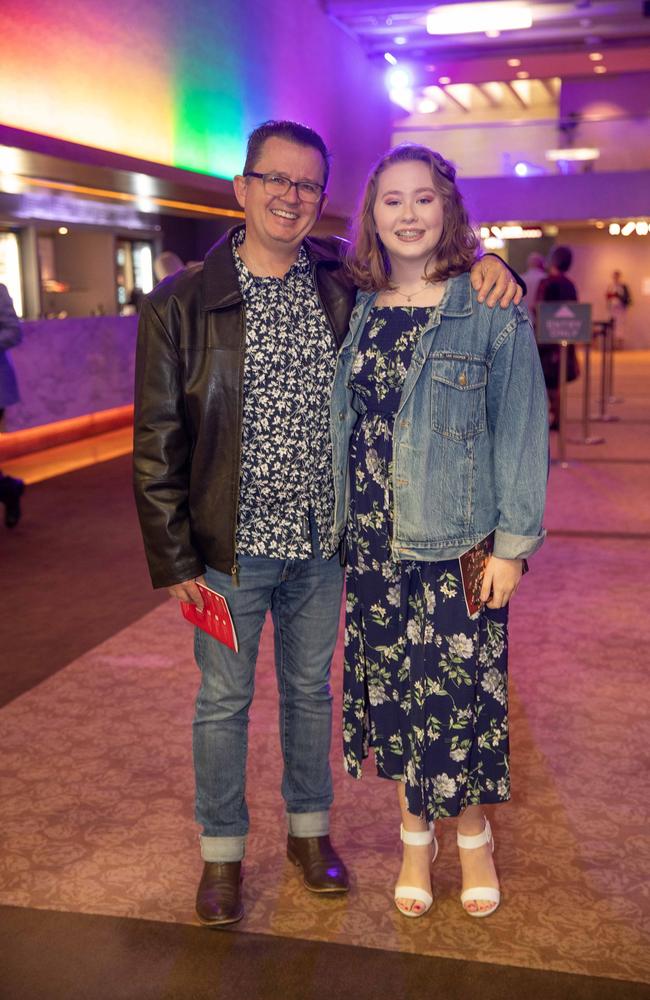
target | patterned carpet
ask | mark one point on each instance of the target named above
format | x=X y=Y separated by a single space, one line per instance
x=96 y=775
x=97 y=791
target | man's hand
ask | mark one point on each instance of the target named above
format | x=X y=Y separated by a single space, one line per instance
x=188 y=591
x=500 y=581
x=490 y=277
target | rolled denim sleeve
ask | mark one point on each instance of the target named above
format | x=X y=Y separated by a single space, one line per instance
x=518 y=418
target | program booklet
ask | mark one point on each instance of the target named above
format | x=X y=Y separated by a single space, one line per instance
x=472 y=568
x=215 y=619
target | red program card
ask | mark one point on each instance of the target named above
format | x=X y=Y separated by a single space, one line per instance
x=215 y=619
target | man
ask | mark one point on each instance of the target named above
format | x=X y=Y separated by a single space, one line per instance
x=534 y=273
x=618 y=299
x=234 y=487
x=11 y=489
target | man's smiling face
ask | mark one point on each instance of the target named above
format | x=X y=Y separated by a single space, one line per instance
x=280 y=222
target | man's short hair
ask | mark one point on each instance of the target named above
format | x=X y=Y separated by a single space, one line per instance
x=301 y=135
x=561 y=258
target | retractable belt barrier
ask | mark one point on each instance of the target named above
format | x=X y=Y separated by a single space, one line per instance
x=605 y=330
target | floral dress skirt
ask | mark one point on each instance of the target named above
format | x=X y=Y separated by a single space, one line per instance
x=425 y=685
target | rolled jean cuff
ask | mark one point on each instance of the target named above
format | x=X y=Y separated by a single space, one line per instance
x=222 y=848
x=316 y=824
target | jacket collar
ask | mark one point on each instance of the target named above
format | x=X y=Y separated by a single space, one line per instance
x=220 y=283
x=457 y=300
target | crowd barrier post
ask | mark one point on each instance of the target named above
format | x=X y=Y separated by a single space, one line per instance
x=606 y=330
x=563 y=401
x=587 y=438
x=611 y=397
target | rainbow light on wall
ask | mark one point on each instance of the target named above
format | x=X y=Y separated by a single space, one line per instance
x=157 y=81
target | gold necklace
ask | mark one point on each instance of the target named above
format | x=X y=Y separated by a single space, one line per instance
x=412 y=295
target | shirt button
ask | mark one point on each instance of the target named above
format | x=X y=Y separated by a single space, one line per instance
x=462 y=379
x=341 y=415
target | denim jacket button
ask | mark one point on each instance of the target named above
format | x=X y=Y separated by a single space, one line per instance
x=462 y=379
x=341 y=415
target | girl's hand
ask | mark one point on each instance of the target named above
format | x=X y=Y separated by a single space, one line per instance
x=500 y=581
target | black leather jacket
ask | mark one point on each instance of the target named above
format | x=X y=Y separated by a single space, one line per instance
x=188 y=407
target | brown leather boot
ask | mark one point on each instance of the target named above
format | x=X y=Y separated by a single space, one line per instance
x=322 y=868
x=218 y=900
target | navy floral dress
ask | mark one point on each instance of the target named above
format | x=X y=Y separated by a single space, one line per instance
x=425 y=685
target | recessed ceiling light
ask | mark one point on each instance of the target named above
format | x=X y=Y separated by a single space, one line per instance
x=492 y=34
x=514 y=62
x=600 y=225
x=444 y=80
x=400 y=39
x=523 y=74
x=471 y=18
x=426 y=106
x=62 y=230
x=614 y=229
x=600 y=69
x=595 y=56
x=390 y=58
x=581 y=154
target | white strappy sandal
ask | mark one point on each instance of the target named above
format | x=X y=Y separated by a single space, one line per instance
x=479 y=893
x=420 y=839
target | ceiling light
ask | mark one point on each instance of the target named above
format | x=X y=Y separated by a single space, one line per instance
x=600 y=225
x=642 y=228
x=426 y=106
x=514 y=62
x=628 y=228
x=444 y=80
x=390 y=58
x=484 y=233
x=614 y=229
x=600 y=69
x=493 y=243
x=397 y=79
x=522 y=74
x=492 y=34
x=62 y=230
x=580 y=154
x=472 y=18
x=595 y=56
x=400 y=39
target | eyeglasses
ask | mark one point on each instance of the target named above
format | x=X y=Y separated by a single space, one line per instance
x=276 y=184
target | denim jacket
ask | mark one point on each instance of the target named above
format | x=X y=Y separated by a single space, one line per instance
x=470 y=439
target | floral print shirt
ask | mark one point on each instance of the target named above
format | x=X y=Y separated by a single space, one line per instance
x=286 y=464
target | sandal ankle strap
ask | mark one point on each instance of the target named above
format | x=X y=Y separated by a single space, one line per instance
x=418 y=838
x=470 y=843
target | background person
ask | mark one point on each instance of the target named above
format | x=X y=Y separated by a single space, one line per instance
x=234 y=486
x=557 y=287
x=439 y=417
x=11 y=489
x=534 y=273
x=618 y=302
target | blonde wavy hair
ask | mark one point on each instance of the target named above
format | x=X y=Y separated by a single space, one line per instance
x=366 y=258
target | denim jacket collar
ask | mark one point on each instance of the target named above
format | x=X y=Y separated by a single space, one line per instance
x=456 y=301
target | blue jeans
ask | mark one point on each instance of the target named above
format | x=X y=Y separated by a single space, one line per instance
x=304 y=597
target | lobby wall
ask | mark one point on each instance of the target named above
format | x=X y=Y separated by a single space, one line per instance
x=184 y=86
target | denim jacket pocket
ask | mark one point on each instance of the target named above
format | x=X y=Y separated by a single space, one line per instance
x=458 y=404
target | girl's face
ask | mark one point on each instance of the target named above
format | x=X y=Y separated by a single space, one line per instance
x=408 y=212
